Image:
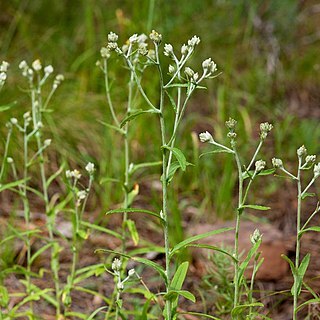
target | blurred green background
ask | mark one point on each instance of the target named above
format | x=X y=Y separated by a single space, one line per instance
x=268 y=55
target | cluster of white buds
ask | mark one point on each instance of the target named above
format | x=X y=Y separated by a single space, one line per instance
x=168 y=50
x=231 y=124
x=27 y=118
x=116 y=267
x=316 y=170
x=302 y=151
x=265 y=128
x=48 y=69
x=73 y=174
x=260 y=165
x=195 y=40
x=277 y=163
x=90 y=168
x=311 y=159
x=209 y=67
x=171 y=69
x=81 y=195
x=206 y=137
x=156 y=37
x=47 y=142
x=57 y=81
x=3 y=72
x=26 y=70
x=191 y=75
x=255 y=237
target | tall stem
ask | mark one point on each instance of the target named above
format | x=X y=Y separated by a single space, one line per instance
x=237 y=228
x=6 y=149
x=297 y=260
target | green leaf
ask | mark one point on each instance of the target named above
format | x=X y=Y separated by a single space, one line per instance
x=174 y=294
x=207 y=246
x=134 y=210
x=4 y=297
x=266 y=172
x=41 y=250
x=292 y=266
x=82 y=234
x=178 y=85
x=153 y=265
x=145 y=165
x=179 y=156
x=105 y=180
x=133 y=231
x=301 y=271
x=12 y=184
x=172 y=170
x=255 y=207
x=92 y=315
x=110 y=126
x=178 y=279
x=132 y=194
x=200 y=315
x=101 y=229
x=311 y=301
x=221 y=150
x=307 y=194
x=239 y=309
x=6 y=107
x=173 y=103
x=136 y=114
x=183 y=244
x=315 y=228
x=55 y=175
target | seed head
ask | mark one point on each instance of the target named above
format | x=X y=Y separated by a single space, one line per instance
x=260 y=165
x=155 y=37
x=205 y=137
x=277 y=163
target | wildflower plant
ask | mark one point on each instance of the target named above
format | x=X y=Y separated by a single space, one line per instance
x=245 y=172
x=176 y=93
x=300 y=265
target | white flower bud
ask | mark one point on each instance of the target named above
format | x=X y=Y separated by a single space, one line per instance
x=36 y=65
x=193 y=41
x=112 y=37
x=184 y=49
x=189 y=72
x=155 y=37
x=90 y=168
x=76 y=174
x=133 y=38
x=316 y=170
x=69 y=174
x=260 y=165
x=120 y=286
x=195 y=77
x=9 y=160
x=116 y=264
x=23 y=64
x=302 y=151
x=171 y=69
x=14 y=120
x=255 y=237
x=168 y=50
x=311 y=159
x=277 y=163
x=47 y=142
x=48 y=69
x=4 y=66
x=131 y=272
x=104 y=52
x=81 y=195
x=205 y=137
x=231 y=123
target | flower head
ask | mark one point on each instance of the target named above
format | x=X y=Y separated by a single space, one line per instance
x=311 y=159
x=116 y=264
x=36 y=65
x=265 y=128
x=168 y=50
x=112 y=37
x=48 y=69
x=255 y=237
x=260 y=165
x=302 y=151
x=205 y=137
x=90 y=168
x=277 y=163
x=195 y=40
x=316 y=170
x=231 y=124
x=155 y=37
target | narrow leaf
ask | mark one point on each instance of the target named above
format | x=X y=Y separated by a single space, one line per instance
x=221 y=150
x=179 y=156
x=174 y=294
x=134 y=210
x=307 y=194
x=136 y=114
x=133 y=231
x=101 y=229
x=239 y=309
x=255 y=207
x=315 y=228
x=183 y=244
x=207 y=246
x=200 y=315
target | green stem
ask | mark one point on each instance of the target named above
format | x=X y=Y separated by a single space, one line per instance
x=237 y=228
x=6 y=149
x=297 y=259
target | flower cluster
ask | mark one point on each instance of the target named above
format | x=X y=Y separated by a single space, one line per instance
x=3 y=72
x=265 y=128
x=277 y=163
x=255 y=237
x=73 y=174
x=260 y=165
x=116 y=267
